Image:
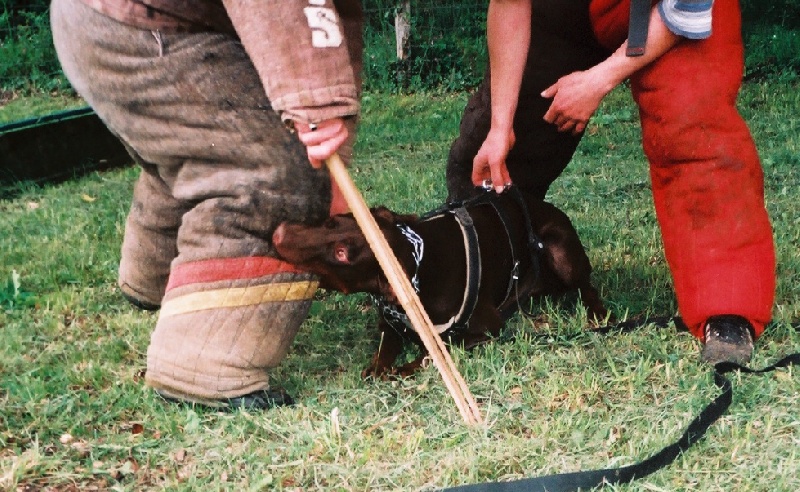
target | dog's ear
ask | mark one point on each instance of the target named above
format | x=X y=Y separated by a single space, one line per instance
x=383 y=214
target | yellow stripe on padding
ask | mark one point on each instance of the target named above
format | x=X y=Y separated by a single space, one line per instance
x=239 y=297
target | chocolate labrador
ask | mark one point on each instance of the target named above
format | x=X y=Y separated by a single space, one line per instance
x=473 y=265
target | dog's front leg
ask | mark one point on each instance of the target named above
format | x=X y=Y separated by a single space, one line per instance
x=484 y=325
x=408 y=370
x=595 y=310
x=390 y=346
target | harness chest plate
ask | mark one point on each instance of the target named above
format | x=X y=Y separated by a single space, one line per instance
x=396 y=317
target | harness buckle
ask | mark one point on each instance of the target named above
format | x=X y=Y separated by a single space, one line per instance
x=486 y=185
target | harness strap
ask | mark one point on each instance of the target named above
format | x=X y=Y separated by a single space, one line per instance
x=535 y=245
x=504 y=219
x=473 y=252
x=487 y=196
x=638 y=25
x=397 y=318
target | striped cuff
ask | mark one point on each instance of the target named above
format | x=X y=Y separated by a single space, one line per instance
x=234 y=297
x=234 y=282
x=217 y=269
x=688 y=18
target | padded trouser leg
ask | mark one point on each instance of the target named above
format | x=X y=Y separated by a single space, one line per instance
x=216 y=336
x=193 y=105
x=150 y=241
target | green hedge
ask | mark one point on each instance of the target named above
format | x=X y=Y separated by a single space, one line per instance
x=28 y=62
x=447 y=49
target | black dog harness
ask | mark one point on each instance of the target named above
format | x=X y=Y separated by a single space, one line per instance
x=394 y=314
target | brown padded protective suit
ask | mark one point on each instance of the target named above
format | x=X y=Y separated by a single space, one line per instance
x=220 y=170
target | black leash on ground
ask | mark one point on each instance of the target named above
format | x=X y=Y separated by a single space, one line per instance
x=586 y=480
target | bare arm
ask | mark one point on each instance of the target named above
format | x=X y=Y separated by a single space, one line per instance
x=576 y=96
x=508 y=33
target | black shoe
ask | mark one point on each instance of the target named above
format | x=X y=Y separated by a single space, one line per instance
x=262 y=400
x=729 y=338
x=257 y=400
x=143 y=305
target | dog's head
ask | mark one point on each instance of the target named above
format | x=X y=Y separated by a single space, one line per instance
x=338 y=252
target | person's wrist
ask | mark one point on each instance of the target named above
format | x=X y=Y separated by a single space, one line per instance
x=609 y=74
x=501 y=125
x=500 y=133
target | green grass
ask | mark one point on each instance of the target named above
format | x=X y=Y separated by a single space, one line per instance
x=75 y=414
x=22 y=108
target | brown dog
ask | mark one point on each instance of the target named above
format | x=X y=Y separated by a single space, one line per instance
x=472 y=264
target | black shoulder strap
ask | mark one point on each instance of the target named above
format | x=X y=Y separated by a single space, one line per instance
x=506 y=222
x=472 y=250
x=535 y=245
x=637 y=27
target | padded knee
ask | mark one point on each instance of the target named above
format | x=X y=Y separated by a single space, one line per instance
x=223 y=324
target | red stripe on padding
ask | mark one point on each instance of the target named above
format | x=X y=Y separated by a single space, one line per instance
x=217 y=269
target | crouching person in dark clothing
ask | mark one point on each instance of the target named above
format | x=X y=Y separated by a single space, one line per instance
x=551 y=64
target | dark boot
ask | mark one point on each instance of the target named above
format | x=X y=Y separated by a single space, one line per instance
x=728 y=338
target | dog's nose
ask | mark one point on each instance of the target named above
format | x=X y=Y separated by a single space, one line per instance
x=278 y=235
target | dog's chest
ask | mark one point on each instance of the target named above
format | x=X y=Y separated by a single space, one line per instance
x=461 y=256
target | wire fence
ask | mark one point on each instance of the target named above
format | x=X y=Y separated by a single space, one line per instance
x=410 y=46
x=443 y=48
x=424 y=45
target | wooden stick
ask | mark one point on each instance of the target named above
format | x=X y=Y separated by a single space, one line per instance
x=405 y=293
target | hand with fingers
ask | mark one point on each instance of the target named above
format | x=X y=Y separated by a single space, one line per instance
x=489 y=165
x=322 y=140
x=576 y=97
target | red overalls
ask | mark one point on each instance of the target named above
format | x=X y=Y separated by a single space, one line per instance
x=706 y=176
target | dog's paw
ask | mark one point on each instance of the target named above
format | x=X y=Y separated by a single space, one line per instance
x=377 y=373
x=408 y=370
